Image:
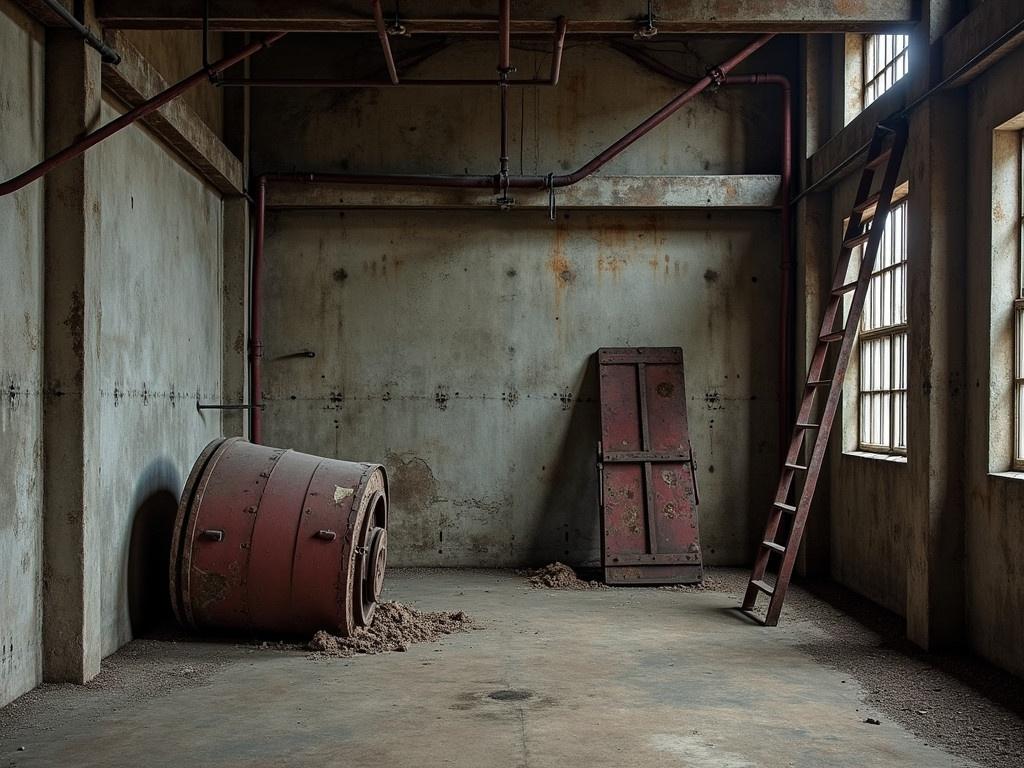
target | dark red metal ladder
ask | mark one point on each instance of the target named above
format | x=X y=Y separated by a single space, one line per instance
x=827 y=371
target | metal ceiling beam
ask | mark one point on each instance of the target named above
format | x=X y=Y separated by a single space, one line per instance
x=600 y=17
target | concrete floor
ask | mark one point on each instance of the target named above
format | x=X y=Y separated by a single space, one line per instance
x=617 y=677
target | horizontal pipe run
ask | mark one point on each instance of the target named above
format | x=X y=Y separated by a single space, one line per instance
x=525 y=182
x=132 y=115
x=108 y=54
x=270 y=82
x=385 y=44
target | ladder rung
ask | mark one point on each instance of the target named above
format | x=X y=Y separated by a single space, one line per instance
x=764 y=586
x=820 y=383
x=799 y=467
x=856 y=240
x=834 y=336
x=881 y=159
x=773 y=546
x=867 y=202
x=843 y=289
x=806 y=425
x=785 y=507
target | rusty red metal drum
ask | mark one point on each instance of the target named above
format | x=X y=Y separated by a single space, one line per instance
x=272 y=540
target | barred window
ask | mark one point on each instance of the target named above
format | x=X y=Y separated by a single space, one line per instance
x=882 y=397
x=885 y=62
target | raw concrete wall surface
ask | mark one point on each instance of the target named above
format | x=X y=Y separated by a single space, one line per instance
x=869 y=496
x=21 y=299
x=995 y=497
x=157 y=284
x=455 y=346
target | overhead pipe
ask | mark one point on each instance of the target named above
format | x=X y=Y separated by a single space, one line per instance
x=385 y=44
x=147 y=107
x=504 y=71
x=108 y=54
x=557 y=50
x=786 y=311
x=715 y=74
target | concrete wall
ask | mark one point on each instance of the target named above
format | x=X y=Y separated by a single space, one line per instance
x=454 y=346
x=21 y=296
x=938 y=537
x=995 y=498
x=157 y=284
x=136 y=287
x=870 y=494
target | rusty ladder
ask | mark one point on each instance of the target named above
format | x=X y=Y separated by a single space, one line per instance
x=863 y=228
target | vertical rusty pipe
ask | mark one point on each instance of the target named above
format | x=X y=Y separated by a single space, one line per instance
x=786 y=307
x=256 y=318
x=503 y=158
x=556 y=52
x=505 y=36
x=129 y=117
x=385 y=44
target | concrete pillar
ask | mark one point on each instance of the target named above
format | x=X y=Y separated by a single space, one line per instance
x=814 y=247
x=936 y=244
x=71 y=596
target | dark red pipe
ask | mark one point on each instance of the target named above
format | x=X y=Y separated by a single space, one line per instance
x=129 y=117
x=505 y=36
x=385 y=44
x=463 y=182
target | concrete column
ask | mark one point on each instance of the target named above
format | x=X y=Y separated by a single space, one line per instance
x=936 y=244
x=814 y=269
x=71 y=596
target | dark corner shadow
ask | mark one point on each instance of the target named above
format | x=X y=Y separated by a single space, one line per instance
x=991 y=682
x=154 y=507
x=571 y=532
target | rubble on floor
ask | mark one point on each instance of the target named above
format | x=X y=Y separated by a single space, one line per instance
x=558 y=576
x=394 y=628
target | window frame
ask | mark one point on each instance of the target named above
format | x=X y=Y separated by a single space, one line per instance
x=899 y=59
x=892 y=333
x=1017 y=436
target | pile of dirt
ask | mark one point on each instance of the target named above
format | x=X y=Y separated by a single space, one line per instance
x=394 y=628
x=558 y=576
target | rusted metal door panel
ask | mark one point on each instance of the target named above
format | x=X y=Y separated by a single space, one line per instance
x=648 y=490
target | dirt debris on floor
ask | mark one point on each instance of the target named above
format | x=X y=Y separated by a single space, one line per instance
x=395 y=627
x=557 y=576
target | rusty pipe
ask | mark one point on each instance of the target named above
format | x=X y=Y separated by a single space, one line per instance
x=786 y=311
x=525 y=182
x=385 y=44
x=150 y=105
x=557 y=50
x=256 y=317
x=315 y=82
x=505 y=36
x=464 y=182
x=94 y=41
